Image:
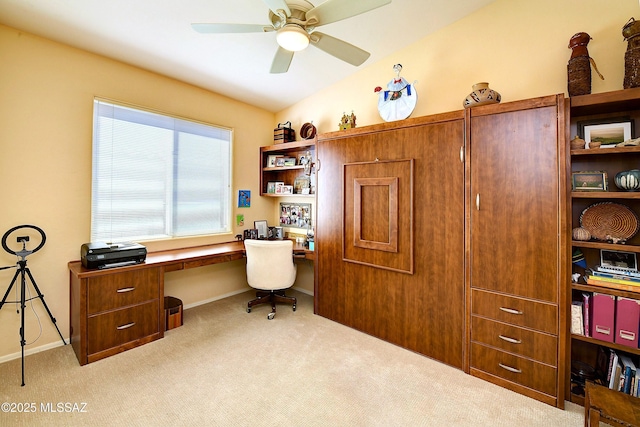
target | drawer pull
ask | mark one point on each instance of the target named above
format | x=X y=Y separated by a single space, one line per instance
x=510 y=369
x=511 y=340
x=127 y=326
x=123 y=290
x=510 y=310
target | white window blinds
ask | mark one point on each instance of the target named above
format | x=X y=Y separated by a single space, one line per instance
x=157 y=177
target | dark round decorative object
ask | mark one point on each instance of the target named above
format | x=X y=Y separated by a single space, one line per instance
x=630 y=32
x=308 y=131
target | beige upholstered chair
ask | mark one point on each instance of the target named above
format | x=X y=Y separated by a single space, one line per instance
x=270 y=270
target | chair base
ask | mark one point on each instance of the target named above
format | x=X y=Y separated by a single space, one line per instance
x=272 y=297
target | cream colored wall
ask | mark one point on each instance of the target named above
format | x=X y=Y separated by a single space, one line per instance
x=46 y=105
x=518 y=46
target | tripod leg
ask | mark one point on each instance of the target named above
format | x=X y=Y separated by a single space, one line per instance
x=22 y=305
x=13 y=281
x=53 y=320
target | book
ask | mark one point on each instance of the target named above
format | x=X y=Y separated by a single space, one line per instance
x=614 y=280
x=613 y=367
x=585 y=313
x=631 y=286
x=629 y=373
x=577 y=323
x=612 y=355
x=616 y=276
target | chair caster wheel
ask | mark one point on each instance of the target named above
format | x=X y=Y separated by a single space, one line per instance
x=248 y=309
x=294 y=307
x=271 y=315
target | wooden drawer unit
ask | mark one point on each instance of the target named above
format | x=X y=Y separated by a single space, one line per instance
x=119 y=327
x=115 y=310
x=514 y=369
x=513 y=339
x=516 y=311
x=121 y=290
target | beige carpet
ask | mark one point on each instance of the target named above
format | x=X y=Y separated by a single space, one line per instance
x=226 y=367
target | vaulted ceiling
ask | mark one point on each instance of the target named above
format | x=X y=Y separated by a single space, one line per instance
x=157 y=36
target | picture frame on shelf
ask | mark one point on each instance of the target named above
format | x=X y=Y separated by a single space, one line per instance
x=262 y=227
x=608 y=132
x=289 y=161
x=300 y=184
x=280 y=161
x=278 y=187
x=589 y=181
x=271 y=187
x=271 y=161
x=287 y=189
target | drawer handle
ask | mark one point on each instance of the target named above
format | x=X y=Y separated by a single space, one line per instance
x=510 y=310
x=510 y=369
x=511 y=340
x=127 y=326
x=123 y=290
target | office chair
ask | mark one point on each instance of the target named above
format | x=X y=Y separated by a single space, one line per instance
x=270 y=270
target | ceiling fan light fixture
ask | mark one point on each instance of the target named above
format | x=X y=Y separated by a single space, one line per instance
x=292 y=37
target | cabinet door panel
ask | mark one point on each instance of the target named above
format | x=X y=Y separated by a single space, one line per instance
x=516 y=369
x=122 y=326
x=516 y=311
x=524 y=342
x=423 y=309
x=515 y=202
x=113 y=291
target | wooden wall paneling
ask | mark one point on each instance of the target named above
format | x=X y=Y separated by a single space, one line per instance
x=423 y=311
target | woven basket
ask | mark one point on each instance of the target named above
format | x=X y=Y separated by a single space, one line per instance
x=631 y=68
x=609 y=221
x=579 y=76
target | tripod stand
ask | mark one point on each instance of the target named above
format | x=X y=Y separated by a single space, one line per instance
x=23 y=271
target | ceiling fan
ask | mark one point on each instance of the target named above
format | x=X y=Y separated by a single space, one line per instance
x=295 y=21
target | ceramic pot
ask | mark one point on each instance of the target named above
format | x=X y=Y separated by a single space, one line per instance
x=628 y=180
x=481 y=95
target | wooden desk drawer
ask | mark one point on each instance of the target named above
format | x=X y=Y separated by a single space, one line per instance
x=113 y=291
x=534 y=345
x=213 y=260
x=516 y=311
x=122 y=326
x=516 y=369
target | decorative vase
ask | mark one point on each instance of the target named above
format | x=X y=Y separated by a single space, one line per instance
x=628 y=180
x=630 y=32
x=481 y=95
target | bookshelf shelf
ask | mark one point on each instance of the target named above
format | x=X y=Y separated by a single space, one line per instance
x=615 y=346
x=604 y=290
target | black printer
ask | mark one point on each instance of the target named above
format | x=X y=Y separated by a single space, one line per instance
x=108 y=255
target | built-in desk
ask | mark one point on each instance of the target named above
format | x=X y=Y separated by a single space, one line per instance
x=114 y=310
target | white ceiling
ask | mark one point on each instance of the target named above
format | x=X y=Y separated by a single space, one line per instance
x=157 y=36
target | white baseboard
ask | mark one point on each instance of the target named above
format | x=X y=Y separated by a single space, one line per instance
x=35 y=350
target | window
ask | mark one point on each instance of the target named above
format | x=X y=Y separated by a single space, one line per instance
x=157 y=177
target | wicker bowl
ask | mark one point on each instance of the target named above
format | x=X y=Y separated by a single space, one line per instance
x=609 y=222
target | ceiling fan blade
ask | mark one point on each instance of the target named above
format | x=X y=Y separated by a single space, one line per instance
x=276 y=5
x=281 y=61
x=339 y=48
x=337 y=10
x=231 y=28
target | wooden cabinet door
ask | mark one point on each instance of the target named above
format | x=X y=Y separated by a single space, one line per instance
x=390 y=233
x=515 y=198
